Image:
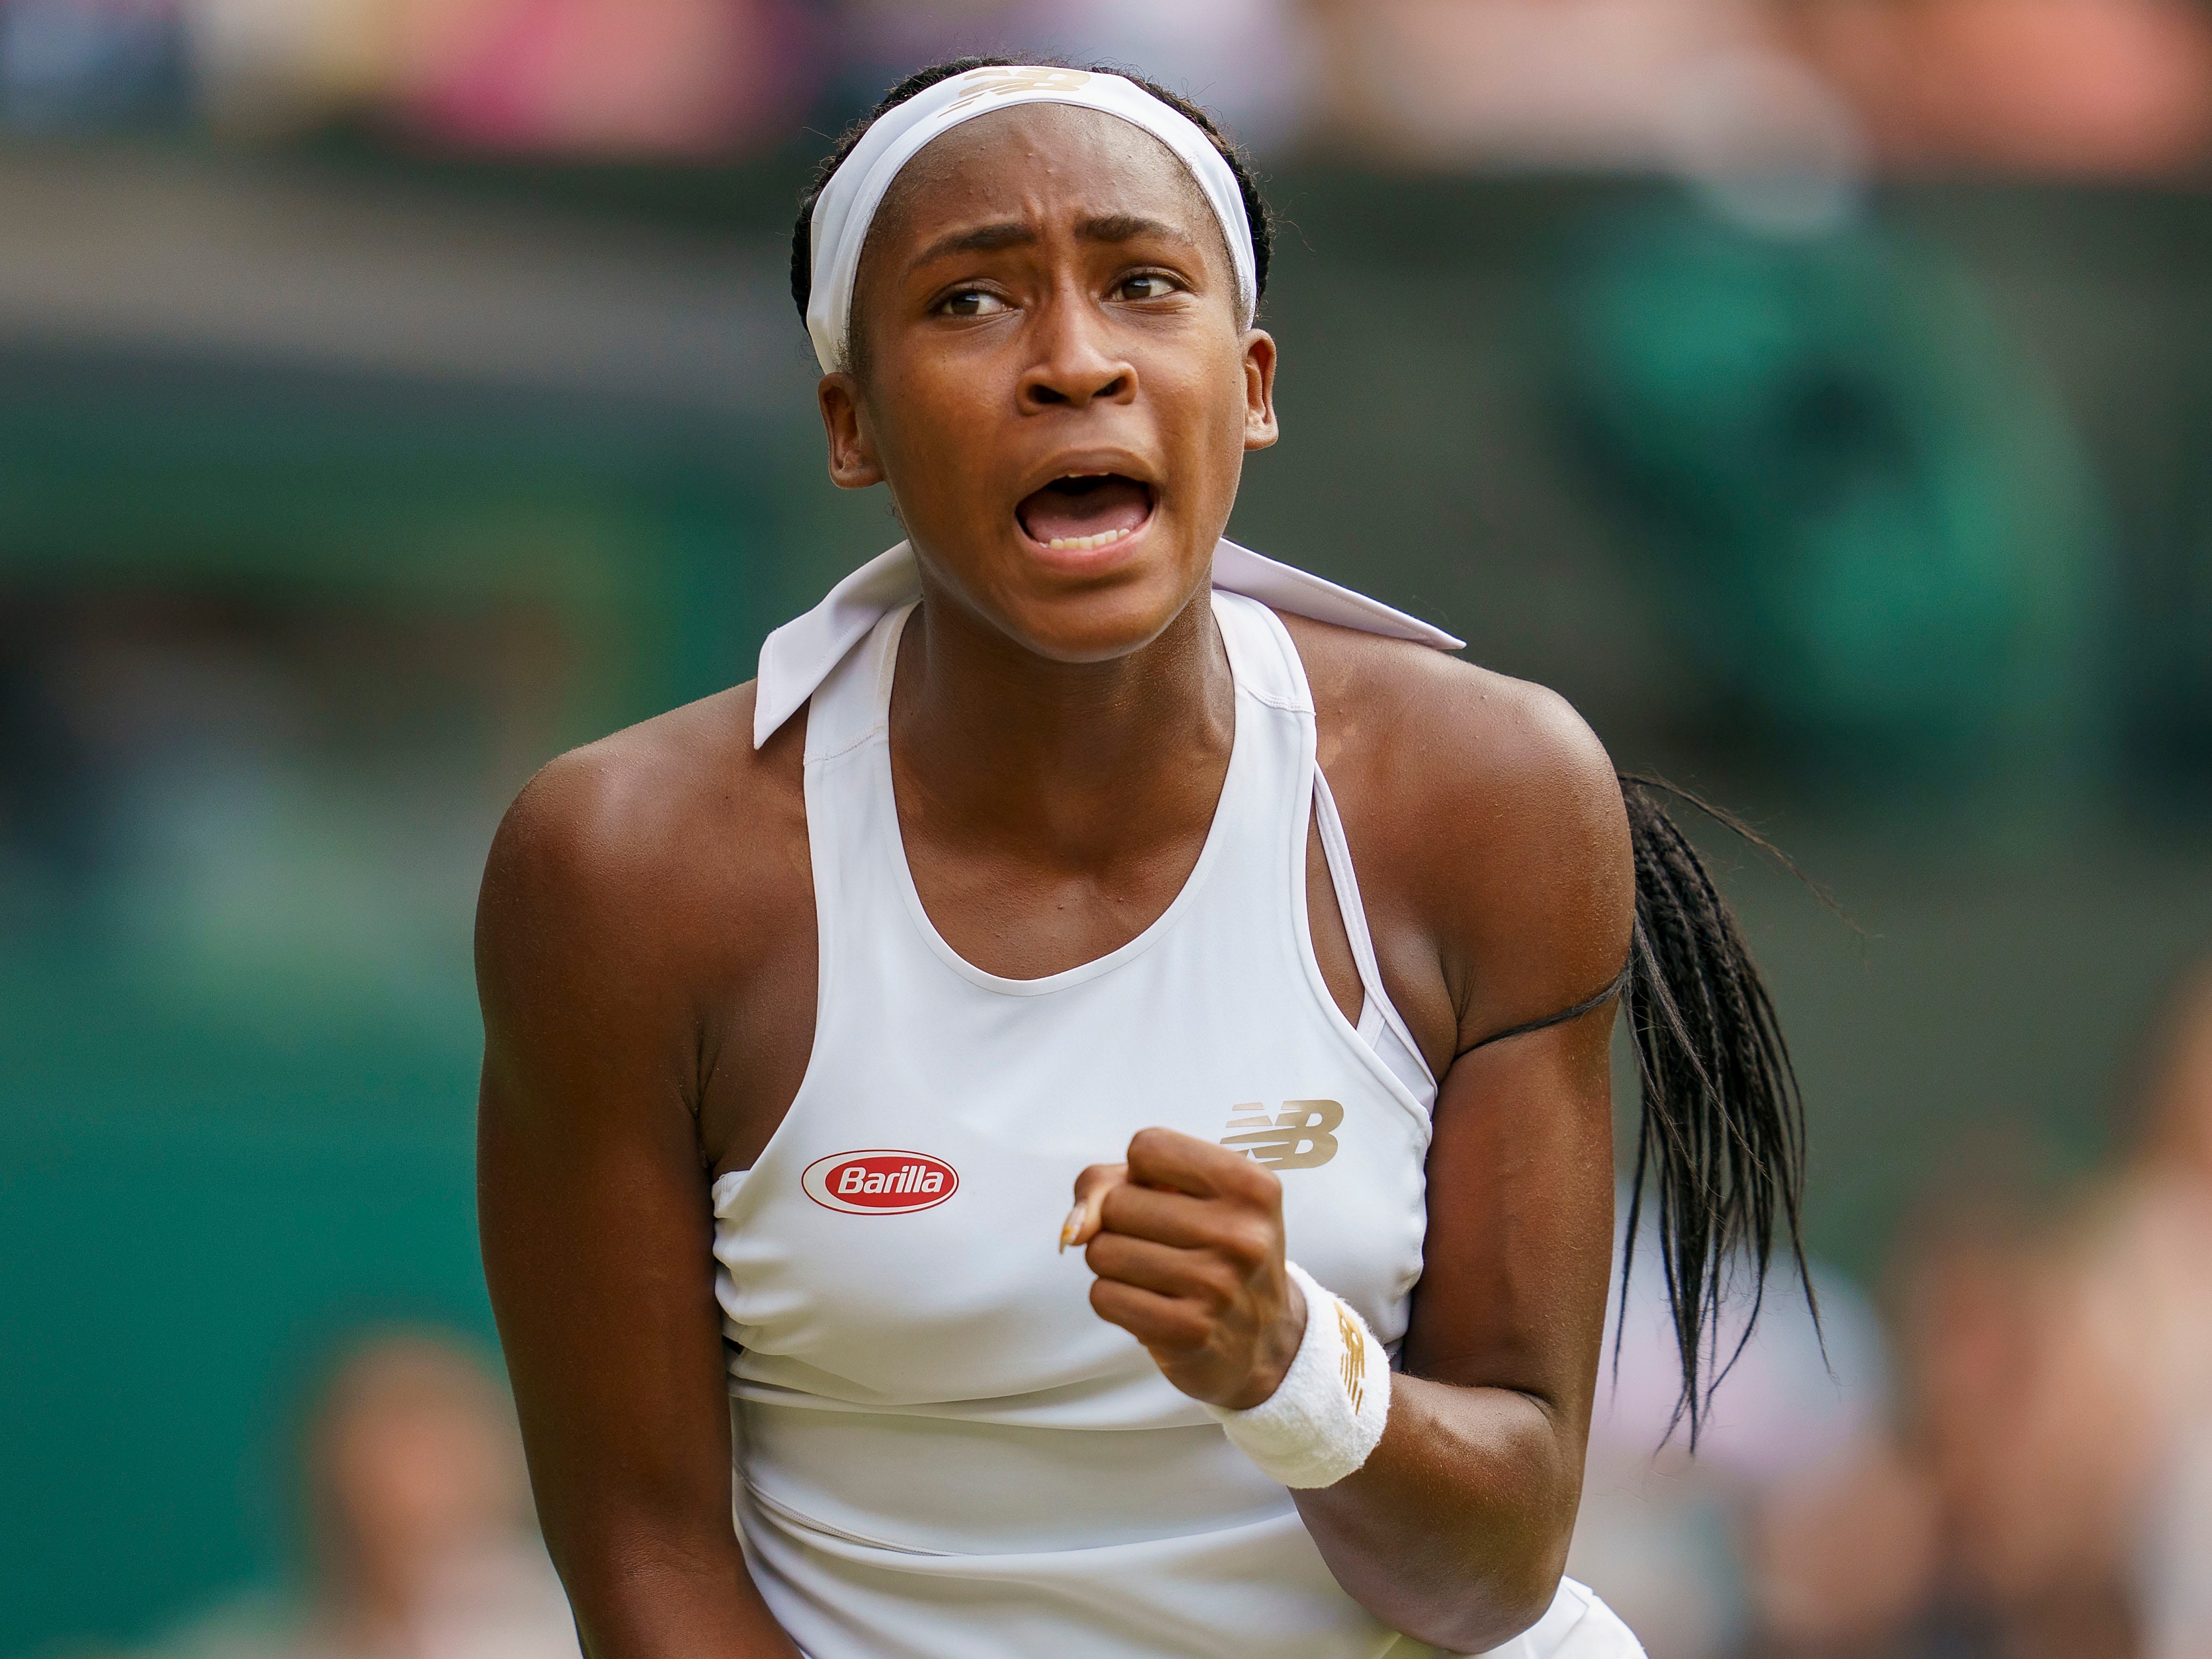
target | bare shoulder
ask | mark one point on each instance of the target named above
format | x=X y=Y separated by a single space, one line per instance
x=669 y=839
x=1474 y=729
x=1480 y=808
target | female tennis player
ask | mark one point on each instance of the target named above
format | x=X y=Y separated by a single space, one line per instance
x=1069 y=851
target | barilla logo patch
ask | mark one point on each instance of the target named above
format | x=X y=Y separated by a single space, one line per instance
x=879 y=1181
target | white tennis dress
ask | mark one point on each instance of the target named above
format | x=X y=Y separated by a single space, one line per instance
x=942 y=1452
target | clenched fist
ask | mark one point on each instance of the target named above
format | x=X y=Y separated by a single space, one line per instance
x=1186 y=1239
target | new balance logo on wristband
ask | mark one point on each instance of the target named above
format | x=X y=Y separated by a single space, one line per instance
x=1327 y=1414
x=1301 y=1137
x=1355 y=1355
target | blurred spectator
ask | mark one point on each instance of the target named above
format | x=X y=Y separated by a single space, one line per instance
x=2054 y=1467
x=1840 y=1561
x=878 y=42
x=604 y=78
x=2067 y=87
x=2064 y=1389
x=668 y=78
x=1603 y=83
x=1664 y=1536
x=2024 y=1424
x=1249 y=62
x=2152 y=1277
x=265 y=67
x=2178 y=1097
x=68 y=64
x=417 y=1512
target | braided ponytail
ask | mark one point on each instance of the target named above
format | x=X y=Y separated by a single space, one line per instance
x=1722 y=1135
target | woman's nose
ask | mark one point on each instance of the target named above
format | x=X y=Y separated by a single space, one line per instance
x=1074 y=366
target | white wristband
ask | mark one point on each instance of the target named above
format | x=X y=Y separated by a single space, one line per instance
x=1324 y=1419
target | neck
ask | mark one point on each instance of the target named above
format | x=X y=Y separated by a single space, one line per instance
x=1079 y=765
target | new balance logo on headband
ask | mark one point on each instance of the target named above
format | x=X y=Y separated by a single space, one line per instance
x=1303 y=1136
x=987 y=82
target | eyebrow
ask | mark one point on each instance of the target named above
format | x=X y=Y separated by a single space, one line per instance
x=983 y=238
x=1128 y=227
x=1106 y=228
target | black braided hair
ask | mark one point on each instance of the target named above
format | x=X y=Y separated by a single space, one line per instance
x=1721 y=1135
x=1247 y=184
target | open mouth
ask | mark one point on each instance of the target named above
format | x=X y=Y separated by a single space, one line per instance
x=1081 y=512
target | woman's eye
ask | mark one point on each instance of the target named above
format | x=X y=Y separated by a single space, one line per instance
x=1149 y=286
x=973 y=303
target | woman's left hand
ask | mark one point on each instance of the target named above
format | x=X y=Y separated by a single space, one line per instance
x=1186 y=1240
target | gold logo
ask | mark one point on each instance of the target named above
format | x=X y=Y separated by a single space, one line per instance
x=1355 y=1355
x=999 y=82
x=1302 y=1137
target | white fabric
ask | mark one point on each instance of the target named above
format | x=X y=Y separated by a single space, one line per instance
x=1578 y=1626
x=942 y=1452
x=798 y=656
x=848 y=204
x=1382 y=1027
x=1326 y=1417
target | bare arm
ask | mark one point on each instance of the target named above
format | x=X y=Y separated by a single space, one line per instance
x=1456 y=1530
x=597 y=1230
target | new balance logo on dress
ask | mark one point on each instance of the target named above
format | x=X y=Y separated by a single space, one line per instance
x=1302 y=1136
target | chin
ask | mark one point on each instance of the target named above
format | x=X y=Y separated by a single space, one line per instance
x=1072 y=616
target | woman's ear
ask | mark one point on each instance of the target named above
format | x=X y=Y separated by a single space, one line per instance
x=1261 y=427
x=853 y=462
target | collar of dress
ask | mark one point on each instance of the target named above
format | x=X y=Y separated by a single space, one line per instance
x=798 y=656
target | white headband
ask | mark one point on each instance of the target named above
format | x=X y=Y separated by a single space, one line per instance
x=848 y=204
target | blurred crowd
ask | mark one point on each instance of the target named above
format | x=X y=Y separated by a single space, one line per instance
x=2021 y=1469
x=2083 y=87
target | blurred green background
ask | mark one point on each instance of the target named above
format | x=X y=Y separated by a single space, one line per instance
x=342 y=485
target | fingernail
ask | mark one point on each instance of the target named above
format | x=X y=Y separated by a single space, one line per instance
x=1069 y=1228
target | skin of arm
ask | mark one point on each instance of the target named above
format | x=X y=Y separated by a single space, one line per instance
x=1490 y=834
x=592 y=1193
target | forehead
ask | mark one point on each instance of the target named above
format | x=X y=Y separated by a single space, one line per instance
x=1012 y=163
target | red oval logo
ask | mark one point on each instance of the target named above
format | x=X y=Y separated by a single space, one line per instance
x=879 y=1181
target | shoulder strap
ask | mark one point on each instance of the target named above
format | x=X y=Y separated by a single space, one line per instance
x=1261 y=655
x=1378 y=1013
